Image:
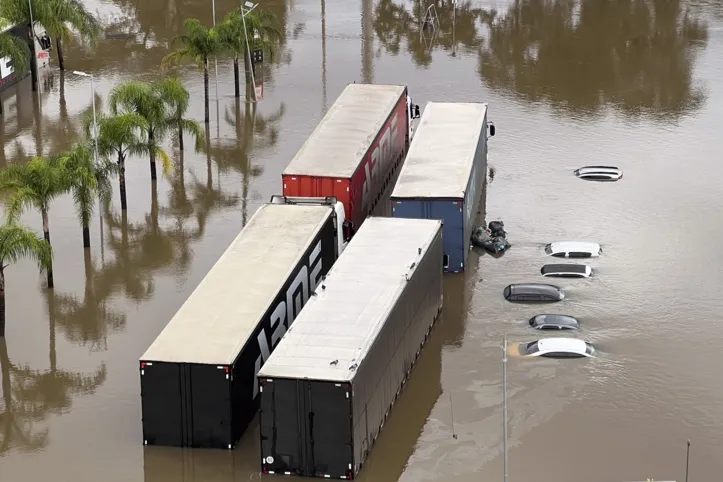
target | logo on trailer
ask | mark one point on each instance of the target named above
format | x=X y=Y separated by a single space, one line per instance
x=379 y=163
x=297 y=294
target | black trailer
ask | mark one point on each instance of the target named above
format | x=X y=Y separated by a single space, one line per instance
x=198 y=378
x=328 y=387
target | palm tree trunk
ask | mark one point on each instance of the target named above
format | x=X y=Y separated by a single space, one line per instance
x=205 y=85
x=152 y=146
x=61 y=60
x=122 y=181
x=46 y=234
x=237 y=90
x=86 y=235
x=33 y=60
x=180 y=137
x=52 y=352
x=2 y=303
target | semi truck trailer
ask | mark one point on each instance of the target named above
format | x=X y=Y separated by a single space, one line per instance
x=329 y=386
x=356 y=151
x=198 y=378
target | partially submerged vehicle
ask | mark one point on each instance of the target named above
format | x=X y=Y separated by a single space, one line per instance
x=599 y=173
x=573 y=249
x=533 y=292
x=566 y=270
x=554 y=322
x=493 y=238
x=557 y=348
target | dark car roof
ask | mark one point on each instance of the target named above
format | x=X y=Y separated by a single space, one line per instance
x=533 y=288
x=564 y=320
x=564 y=268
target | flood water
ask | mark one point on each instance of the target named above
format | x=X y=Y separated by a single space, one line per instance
x=632 y=83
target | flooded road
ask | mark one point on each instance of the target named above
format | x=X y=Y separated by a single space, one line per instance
x=629 y=83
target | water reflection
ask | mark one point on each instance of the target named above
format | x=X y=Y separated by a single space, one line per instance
x=454 y=28
x=30 y=395
x=632 y=54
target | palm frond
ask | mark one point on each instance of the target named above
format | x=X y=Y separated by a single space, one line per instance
x=16 y=49
x=166 y=162
x=17 y=242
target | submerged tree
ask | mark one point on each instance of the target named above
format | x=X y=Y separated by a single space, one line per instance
x=59 y=16
x=34 y=185
x=147 y=101
x=197 y=45
x=257 y=30
x=119 y=136
x=87 y=180
x=17 y=242
x=177 y=97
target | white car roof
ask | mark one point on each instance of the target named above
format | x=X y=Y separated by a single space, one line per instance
x=575 y=246
x=551 y=345
x=589 y=169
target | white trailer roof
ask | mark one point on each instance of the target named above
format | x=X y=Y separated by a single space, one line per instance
x=338 y=144
x=337 y=327
x=221 y=314
x=441 y=155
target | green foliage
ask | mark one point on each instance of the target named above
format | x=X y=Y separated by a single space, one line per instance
x=149 y=101
x=262 y=27
x=86 y=179
x=33 y=185
x=176 y=97
x=119 y=135
x=16 y=49
x=58 y=16
x=17 y=242
x=197 y=44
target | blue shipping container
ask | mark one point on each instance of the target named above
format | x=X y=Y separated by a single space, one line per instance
x=444 y=173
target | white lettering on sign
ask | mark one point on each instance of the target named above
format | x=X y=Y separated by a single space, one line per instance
x=286 y=311
x=6 y=67
x=381 y=156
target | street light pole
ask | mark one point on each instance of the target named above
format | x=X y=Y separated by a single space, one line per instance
x=34 y=60
x=504 y=403
x=250 y=6
x=215 y=60
x=95 y=132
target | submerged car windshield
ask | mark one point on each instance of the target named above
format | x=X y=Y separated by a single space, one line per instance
x=531 y=348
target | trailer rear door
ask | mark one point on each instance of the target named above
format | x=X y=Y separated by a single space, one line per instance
x=305 y=421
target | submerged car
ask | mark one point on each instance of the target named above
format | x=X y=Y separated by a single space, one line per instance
x=599 y=173
x=566 y=270
x=554 y=322
x=573 y=249
x=557 y=348
x=533 y=292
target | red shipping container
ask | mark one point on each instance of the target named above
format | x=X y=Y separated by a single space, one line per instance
x=356 y=151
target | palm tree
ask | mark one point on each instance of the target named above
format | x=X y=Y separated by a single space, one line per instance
x=177 y=97
x=18 y=242
x=58 y=16
x=86 y=178
x=197 y=44
x=145 y=100
x=262 y=31
x=118 y=137
x=35 y=184
x=16 y=49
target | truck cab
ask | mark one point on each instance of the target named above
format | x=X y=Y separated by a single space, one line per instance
x=413 y=113
x=344 y=230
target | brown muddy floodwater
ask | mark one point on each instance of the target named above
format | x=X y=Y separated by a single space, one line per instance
x=633 y=83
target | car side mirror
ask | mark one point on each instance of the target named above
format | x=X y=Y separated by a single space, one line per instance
x=492 y=129
x=416 y=112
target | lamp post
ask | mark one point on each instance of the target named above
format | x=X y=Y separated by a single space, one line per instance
x=504 y=406
x=215 y=60
x=34 y=60
x=249 y=7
